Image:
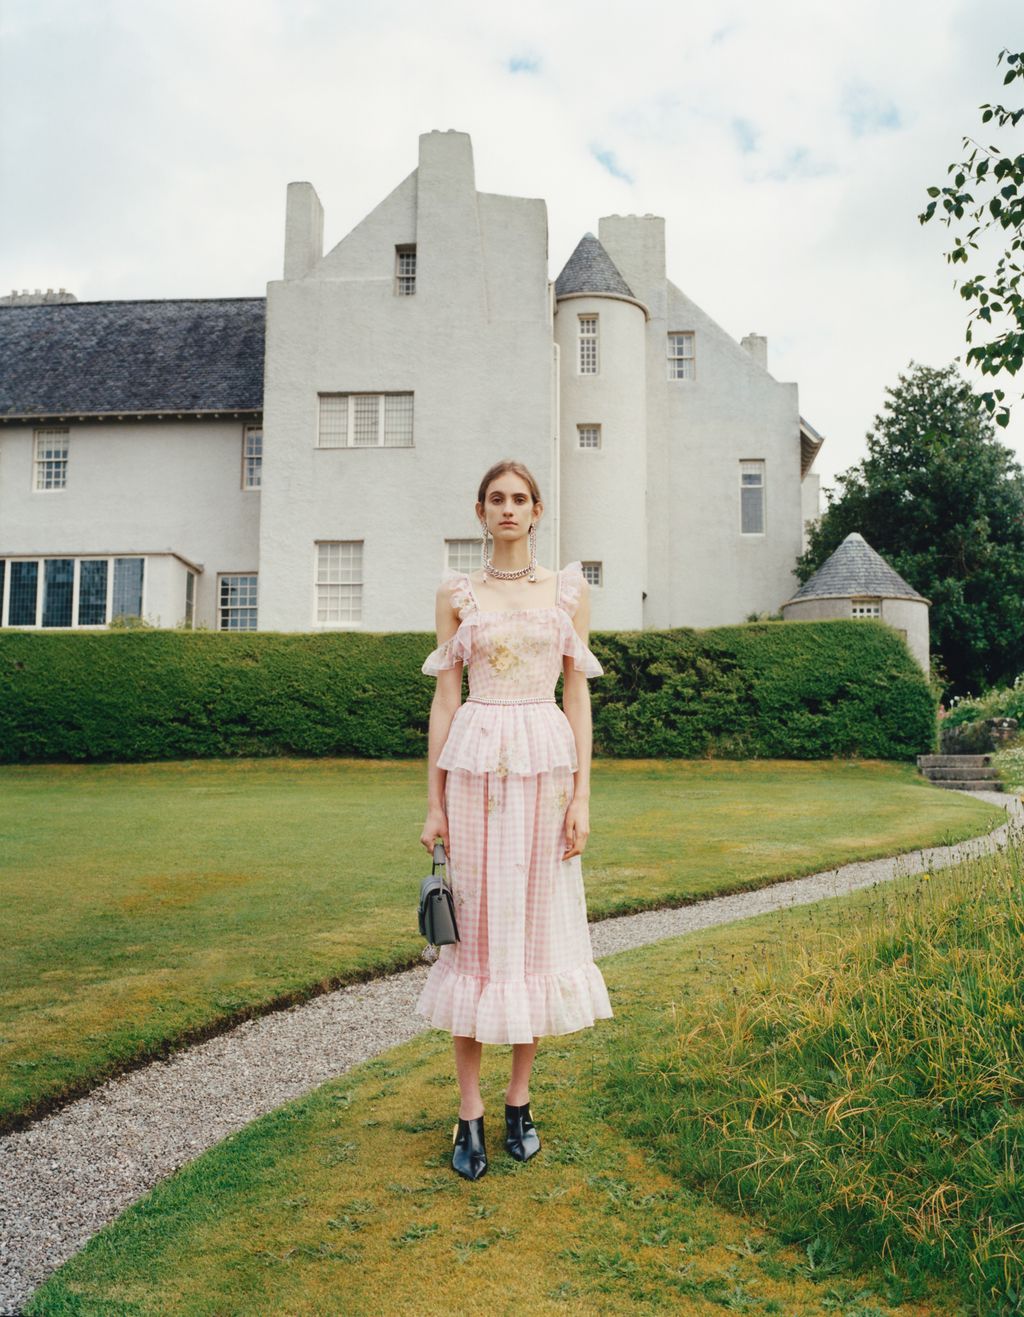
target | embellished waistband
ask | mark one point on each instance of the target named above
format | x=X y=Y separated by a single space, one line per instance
x=539 y=699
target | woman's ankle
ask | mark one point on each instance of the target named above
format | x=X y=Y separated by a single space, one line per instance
x=474 y=1109
x=517 y=1101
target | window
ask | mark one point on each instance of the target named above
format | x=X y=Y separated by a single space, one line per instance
x=51 y=459
x=21 y=609
x=339 y=582
x=365 y=420
x=58 y=585
x=681 y=363
x=588 y=345
x=752 y=498
x=464 y=555
x=405 y=271
x=74 y=591
x=190 y=599
x=866 y=608
x=252 y=456
x=592 y=573
x=92 y=591
x=589 y=436
x=127 y=600
x=237 y=602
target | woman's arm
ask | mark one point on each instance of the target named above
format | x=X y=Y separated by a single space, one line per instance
x=447 y=698
x=576 y=706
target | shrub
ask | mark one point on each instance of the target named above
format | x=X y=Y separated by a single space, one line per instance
x=802 y=690
x=1000 y=702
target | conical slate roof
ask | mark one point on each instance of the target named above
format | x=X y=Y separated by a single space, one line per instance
x=591 y=270
x=856 y=569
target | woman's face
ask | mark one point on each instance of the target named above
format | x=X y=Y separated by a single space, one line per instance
x=509 y=501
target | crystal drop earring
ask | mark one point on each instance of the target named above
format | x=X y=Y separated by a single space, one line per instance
x=532 y=537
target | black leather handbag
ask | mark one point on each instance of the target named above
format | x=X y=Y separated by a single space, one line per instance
x=437 y=906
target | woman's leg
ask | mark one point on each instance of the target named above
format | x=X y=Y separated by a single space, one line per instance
x=468 y=1053
x=518 y=1092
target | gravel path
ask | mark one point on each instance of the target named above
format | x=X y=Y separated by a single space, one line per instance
x=69 y=1174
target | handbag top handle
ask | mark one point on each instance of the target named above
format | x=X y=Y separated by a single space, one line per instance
x=439 y=855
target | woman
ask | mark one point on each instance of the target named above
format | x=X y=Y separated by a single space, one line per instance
x=508 y=794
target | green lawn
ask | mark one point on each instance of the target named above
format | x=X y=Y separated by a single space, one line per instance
x=344 y=1201
x=146 y=905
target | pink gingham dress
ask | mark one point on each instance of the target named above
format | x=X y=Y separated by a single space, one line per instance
x=524 y=966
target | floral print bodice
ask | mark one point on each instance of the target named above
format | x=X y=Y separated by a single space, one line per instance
x=512 y=656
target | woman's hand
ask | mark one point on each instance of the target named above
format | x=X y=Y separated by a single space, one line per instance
x=436 y=825
x=577 y=828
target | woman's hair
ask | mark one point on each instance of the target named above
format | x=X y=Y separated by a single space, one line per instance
x=517 y=468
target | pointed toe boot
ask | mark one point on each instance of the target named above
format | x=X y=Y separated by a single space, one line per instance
x=469 y=1155
x=521 y=1137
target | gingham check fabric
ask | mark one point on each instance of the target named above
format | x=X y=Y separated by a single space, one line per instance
x=524 y=966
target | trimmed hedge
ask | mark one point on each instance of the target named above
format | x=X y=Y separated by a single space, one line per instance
x=800 y=690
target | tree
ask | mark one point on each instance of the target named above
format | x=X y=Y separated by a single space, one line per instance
x=995 y=201
x=942 y=500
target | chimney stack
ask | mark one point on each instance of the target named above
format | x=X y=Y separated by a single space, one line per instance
x=303 y=231
x=757 y=346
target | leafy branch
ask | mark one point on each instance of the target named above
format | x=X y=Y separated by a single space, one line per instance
x=994 y=201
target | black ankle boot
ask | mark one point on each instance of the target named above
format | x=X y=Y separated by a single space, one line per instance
x=469 y=1156
x=521 y=1137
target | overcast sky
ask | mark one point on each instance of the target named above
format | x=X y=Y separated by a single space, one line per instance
x=147 y=145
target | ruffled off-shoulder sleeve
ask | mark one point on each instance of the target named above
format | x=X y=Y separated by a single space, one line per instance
x=583 y=660
x=456 y=649
x=459 y=647
x=570 y=589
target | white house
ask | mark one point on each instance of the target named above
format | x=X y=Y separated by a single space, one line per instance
x=311 y=461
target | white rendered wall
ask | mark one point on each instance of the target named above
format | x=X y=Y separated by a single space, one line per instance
x=604 y=489
x=137 y=488
x=473 y=344
x=163 y=592
x=910 y=616
x=702 y=570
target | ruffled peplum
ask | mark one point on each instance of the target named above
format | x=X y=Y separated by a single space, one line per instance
x=520 y=739
x=514 y=1011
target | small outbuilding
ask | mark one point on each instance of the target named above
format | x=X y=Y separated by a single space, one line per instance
x=857 y=582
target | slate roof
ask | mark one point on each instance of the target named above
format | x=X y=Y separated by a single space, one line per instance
x=810 y=445
x=590 y=270
x=856 y=569
x=106 y=358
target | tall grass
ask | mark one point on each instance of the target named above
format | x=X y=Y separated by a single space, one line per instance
x=870 y=1086
x=1009 y=763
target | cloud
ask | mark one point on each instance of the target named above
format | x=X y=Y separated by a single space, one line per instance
x=788 y=147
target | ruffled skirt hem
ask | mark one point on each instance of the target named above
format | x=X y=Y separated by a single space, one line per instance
x=517 y=1011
